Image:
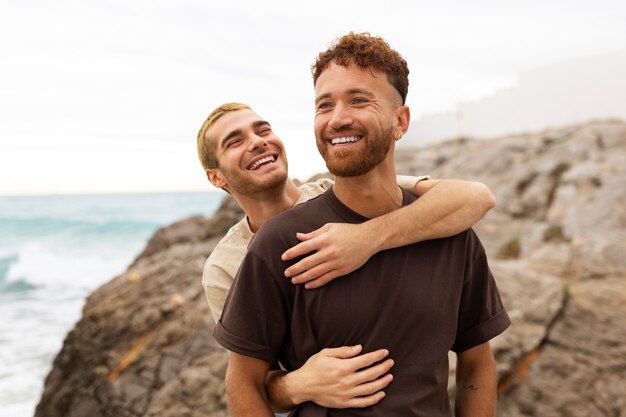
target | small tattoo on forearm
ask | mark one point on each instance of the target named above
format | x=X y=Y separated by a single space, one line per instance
x=468 y=387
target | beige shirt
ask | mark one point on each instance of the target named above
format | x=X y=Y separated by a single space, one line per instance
x=222 y=265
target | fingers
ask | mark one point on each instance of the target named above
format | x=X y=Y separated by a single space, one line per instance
x=343 y=352
x=315 y=272
x=300 y=249
x=306 y=245
x=371 y=387
x=367 y=359
x=358 y=379
x=322 y=280
x=361 y=402
x=314 y=233
x=303 y=270
x=372 y=374
x=368 y=385
x=307 y=236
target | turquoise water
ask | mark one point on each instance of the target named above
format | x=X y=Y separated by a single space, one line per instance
x=55 y=250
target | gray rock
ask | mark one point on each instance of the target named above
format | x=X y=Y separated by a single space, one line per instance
x=145 y=337
x=580 y=369
x=557 y=247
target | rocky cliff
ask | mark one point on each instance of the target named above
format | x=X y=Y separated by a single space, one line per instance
x=557 y=246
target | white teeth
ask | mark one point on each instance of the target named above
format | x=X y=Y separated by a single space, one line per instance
x=262 y=161
x=350 y=139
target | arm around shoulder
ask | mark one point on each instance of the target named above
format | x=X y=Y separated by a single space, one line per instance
x=475 y=194
x=445 y=208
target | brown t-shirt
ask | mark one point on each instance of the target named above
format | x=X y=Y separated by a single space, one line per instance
x=418 y=301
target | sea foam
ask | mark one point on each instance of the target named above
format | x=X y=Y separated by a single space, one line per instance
x=53 y=252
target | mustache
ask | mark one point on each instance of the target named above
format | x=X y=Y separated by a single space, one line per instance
x=351 y=130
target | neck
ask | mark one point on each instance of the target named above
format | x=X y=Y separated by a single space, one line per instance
x=261 y=207
x=373 y=194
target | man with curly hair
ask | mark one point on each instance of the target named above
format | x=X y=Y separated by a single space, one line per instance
x=241 y=154
x=416 y=302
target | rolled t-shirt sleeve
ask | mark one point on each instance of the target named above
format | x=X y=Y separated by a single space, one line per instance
x=481 y=313
x=253 y=322
x=409 y=183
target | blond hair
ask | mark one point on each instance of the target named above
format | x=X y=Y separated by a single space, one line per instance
x=206 y=145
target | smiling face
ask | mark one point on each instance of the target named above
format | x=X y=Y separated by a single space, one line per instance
x=251 y=157
x=358 y=115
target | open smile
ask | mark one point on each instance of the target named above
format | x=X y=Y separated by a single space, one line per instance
x=268 y=159
x=345 y=139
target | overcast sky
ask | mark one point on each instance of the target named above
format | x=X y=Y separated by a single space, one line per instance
x=108 y=96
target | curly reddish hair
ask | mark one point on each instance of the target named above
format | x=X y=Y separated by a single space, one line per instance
x=366 y=51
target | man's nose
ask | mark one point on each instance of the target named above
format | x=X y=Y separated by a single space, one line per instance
x=340 y=118
x=257 y=142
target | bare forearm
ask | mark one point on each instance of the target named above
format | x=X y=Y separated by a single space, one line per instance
x=245 y=386
x=447 y=208
x=333 y=378
x=279 y=391
x=248 y=401
x=476 y=389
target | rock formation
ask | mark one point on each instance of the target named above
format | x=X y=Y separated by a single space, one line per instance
x=143 y=345
x=557 y=246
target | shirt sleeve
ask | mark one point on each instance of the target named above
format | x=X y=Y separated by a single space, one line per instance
x=481 y=313
x=409 y=182
x=254 y=320
x=325 y=183
x=216 y=284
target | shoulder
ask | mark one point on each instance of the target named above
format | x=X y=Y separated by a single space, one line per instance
x=459 y=250
x=469 y=241
x=315 y=188
x=237 y=236
x=281 y=224
x=228 y=252
x=472 y=241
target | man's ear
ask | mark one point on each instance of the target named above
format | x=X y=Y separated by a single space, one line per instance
x=402 y=116
x=216 y=178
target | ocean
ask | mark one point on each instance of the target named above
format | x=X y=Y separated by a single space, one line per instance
x=54 y=251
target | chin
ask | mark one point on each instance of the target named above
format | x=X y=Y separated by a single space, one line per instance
x=278 y=179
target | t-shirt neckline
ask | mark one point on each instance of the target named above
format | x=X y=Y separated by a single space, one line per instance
x=350 y=215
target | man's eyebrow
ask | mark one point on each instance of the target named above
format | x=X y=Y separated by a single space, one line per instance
x=260 y=123
x=363 y=91
x=351 y=92
x=230 y=135
x=322 y=97
x=236 y=132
